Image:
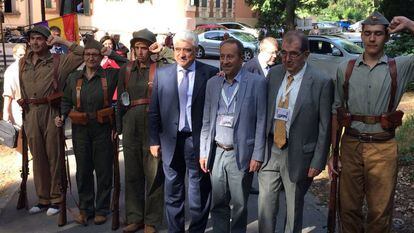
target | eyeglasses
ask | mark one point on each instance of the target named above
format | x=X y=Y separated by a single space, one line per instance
x=293 y=54
x=94 y=55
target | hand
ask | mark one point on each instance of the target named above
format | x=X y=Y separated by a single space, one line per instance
x=155 y=151
x=203 y=165
x=400 y=23
x=8 y=116
x=255 y=165
x=331 y=167
x=52 y=40
x=59 y=121
x=313 y=172
x=105 y=51
x=155 y=48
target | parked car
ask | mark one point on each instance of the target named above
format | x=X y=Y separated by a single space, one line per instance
x=356 y=27
x=344 y=24
x=208 y=27
x=241 y=27
x=327 y=52
x=354 y=37
x=209 y=43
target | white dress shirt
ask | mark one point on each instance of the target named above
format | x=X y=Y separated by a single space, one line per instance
x=191 y=78
x=263 y=64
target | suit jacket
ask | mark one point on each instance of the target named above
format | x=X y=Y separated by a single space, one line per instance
x=164 y=111
x=253 y=66
x=249 y=122
x=310 y=129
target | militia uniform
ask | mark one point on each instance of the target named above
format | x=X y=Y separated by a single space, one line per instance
x=88 y=103
x=37 y=84
x=144 y=179
x=365 y=103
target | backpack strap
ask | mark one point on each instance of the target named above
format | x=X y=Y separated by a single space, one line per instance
x=128 y=74
x=348 y=73
x=393 y=73
x=152 y=69
x=79 y=83
x=104 y=83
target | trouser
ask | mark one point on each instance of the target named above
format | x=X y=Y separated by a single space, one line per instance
x=273 y=178
x=42 y=137
x=369 y=170
x=94 y=152
x=229 y=186
x=199 y=188
x=144 y=179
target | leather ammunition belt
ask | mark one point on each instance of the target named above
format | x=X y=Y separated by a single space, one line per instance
x=225 y=148
x=139 y=102
x=36 y=101
x=371 y=120
x=370 y=137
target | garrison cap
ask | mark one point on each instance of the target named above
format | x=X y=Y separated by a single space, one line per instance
x=93 y=44
x=42 y=30
x=143 y=34
x=376 y=18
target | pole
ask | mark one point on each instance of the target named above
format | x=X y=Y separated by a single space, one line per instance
x=2 y=38
x=42 y=2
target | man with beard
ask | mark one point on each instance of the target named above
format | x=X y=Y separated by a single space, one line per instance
x=265 y=59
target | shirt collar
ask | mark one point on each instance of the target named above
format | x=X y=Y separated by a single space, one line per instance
x=236 y=78
x=300 y=74
x=98 y=73
x=261 y=60
x=191 y=68
x=360 y=59
x=47 y=56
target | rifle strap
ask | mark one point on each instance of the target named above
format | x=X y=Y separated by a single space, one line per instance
x=56 y=61
x=392 y=67
x=152 y=68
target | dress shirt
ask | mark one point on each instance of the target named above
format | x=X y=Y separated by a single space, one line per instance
x=191 y=77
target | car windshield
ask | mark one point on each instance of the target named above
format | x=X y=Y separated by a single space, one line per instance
x=349 y=46
x=245 y=37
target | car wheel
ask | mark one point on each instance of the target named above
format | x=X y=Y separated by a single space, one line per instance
x=200 y=52
x=247 y=54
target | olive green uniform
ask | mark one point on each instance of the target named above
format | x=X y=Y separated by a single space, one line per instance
x=41 y=131
x=92 y=142
x=144 y=178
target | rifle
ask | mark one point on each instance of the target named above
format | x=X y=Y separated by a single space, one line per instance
x=117 y=186
x=22 y=202
x=332 y=212
x=62 y=219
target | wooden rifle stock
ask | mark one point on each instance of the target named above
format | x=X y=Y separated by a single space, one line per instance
x=117 y=187
x=332 y=212
x=62 y=218
x=22 y=202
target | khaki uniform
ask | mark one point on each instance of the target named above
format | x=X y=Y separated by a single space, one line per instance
x=92 y=142
x=41 y=132
x=369 y=169
x=144 y=178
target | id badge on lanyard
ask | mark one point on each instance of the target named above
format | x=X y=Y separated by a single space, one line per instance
x=227 y=120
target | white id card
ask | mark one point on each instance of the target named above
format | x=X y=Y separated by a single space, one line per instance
x=282 y=114
x=226 y=120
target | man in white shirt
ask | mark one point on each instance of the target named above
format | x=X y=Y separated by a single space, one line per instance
x=265 y=59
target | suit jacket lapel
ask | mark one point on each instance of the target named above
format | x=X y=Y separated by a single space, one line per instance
x=305 y=87
x=240 y=95
x=273 y=88
x=200 y=75
x=174 y=86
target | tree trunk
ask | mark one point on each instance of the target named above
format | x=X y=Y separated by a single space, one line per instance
x=290 y=14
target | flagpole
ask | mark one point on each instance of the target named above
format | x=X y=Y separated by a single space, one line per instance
x=42 y=2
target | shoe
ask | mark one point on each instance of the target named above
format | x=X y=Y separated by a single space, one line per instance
x=254 y=191
x=133 y=227
x=150 y=229
x=82 y=219
x=99 y=220
x=38 y=208
x=53 y=209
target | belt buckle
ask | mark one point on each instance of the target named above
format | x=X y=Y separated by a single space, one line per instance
x=369 y=120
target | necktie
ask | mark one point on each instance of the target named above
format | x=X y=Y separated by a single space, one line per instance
x=182 y=92
x=280 y=125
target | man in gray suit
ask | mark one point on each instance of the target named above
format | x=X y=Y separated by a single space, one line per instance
x=297 y=133
x=232 y=137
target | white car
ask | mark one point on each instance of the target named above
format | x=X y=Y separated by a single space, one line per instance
x=240 y=27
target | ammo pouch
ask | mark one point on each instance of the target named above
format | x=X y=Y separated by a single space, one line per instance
x=78 y=118
x=344 y=117
x=391 y=120
x=105 y=115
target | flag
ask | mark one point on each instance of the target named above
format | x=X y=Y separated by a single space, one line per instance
x=68 y=24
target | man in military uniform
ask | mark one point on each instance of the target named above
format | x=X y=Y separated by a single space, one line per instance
x=40 y=89
x=143 y=173
x=367 y=94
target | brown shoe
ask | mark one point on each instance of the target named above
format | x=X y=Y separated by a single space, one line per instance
x=133 y=227
x=82 y=219
x=150 y=229
x=99 y=219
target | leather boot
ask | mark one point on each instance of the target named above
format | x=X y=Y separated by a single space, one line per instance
x=99 y=219
x=150 y=229
x=82 y=218
x=133 y=227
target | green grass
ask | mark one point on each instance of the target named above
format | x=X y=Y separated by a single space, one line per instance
x=405 y=139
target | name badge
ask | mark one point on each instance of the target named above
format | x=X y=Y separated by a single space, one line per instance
x=282 y=114
x=226 y=120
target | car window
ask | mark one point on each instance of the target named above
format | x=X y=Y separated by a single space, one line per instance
x=322 y=47
x=245 y=37
x=214 y=36
x=350 y=47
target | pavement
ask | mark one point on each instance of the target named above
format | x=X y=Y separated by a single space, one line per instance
x=16 y=221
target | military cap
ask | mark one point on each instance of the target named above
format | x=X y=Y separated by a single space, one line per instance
x=376 y=18
x=93 y=44
x=42 y=30
x=143 y=34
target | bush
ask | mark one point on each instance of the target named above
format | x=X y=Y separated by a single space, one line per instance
x=405 y=137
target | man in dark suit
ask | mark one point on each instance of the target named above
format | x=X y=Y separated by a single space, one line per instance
x=298 y=133
x=175 y=117
x=266 y=58
x=232 y=137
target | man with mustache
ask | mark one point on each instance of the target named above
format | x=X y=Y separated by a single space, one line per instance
x=367 y=92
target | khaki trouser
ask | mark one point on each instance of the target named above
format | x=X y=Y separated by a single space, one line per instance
x=369 y=170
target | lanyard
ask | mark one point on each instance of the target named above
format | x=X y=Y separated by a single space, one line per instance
x=286 y=92
x=228 y=102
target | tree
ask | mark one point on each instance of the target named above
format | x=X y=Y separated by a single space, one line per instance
x=391 y=8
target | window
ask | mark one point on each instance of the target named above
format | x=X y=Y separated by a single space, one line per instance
x=78 y=6
x=218 y=3
x=203 y=3
x=323 y=47
x=52 y=6
x=229 y=4
x=214 y=36
x=9 y=6
x=194 y=3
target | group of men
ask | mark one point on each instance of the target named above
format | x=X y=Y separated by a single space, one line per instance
x=218 y=128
